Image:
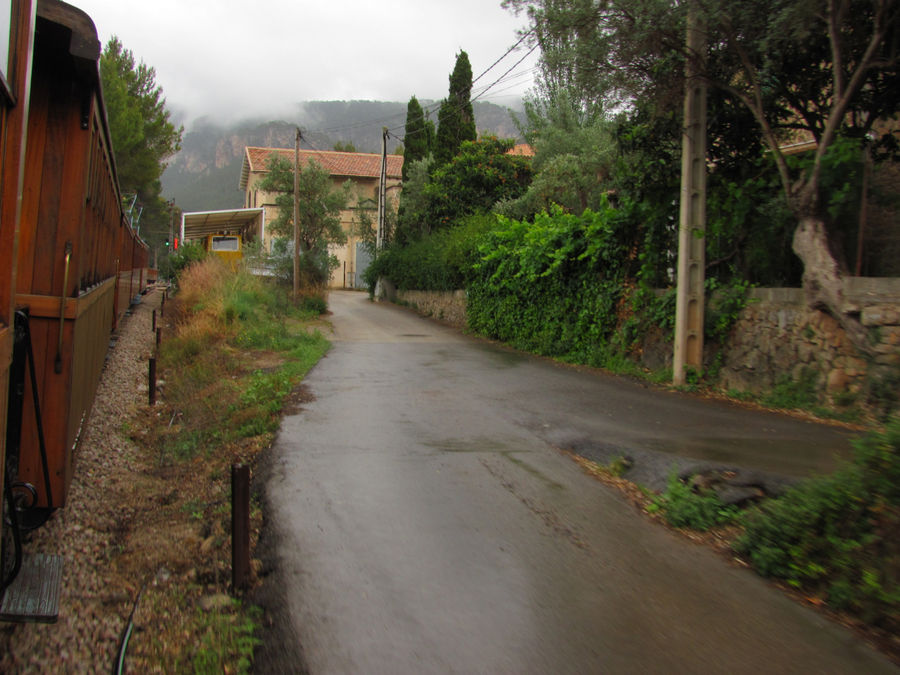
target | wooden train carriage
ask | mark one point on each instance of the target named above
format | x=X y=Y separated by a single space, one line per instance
x=15 y=73
x=75 y=249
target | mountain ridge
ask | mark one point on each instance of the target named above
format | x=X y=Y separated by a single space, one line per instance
x=204 y=174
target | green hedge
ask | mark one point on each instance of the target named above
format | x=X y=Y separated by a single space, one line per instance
x=557 y=286
x=440 y=261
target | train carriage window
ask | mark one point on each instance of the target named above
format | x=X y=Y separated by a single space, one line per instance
x=226 y=244
x=6 y=39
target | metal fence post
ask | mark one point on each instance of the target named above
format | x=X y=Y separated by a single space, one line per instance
x=240 y=525
x=152 y=381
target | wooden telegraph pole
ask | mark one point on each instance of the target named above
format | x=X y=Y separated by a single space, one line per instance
x=692 y=225
x=297 y=214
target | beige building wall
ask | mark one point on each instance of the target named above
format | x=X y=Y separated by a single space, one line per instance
x=364 y=197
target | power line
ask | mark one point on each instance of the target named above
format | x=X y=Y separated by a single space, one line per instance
x=436 y=105
x=508 y=52
x=503 y=78
x=527 y=54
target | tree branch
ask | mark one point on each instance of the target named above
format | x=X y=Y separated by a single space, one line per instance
x=860 y=73
x=834 y=37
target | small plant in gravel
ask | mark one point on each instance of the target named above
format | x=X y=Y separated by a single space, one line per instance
x=227 y=639
x=681 y=506
x=618 y=466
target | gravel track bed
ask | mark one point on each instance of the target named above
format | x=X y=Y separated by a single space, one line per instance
x=95 y=600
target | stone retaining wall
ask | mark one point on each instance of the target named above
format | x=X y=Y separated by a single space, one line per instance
x=777 y=335
x=447 y=306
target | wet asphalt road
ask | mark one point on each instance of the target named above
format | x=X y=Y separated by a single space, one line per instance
x=426 y=523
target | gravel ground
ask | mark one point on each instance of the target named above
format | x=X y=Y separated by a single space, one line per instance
x=96 y=599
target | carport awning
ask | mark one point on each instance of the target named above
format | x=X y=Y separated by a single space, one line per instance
x=200 y=224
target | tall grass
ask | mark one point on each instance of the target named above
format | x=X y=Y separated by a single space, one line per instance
x=227 y=323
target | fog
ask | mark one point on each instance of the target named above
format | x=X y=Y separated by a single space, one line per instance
x=230 y=60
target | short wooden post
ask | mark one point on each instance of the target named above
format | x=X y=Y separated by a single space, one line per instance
x=240 y=525
x=162 y=304
x=158 y=338
x=152 y=381
x=154 y=319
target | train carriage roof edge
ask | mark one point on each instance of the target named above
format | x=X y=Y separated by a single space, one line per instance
x=85 y=49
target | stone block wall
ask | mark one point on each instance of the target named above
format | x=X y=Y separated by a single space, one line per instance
x=446 y=306
x=778 y=336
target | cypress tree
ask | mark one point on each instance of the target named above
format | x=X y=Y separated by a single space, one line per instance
x=415 y=142
x=430 y=133
x=456 y=119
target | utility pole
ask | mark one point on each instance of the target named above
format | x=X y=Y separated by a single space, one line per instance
x=692 y=221
x=297 y=214
x=382 y=191
x=171 y=238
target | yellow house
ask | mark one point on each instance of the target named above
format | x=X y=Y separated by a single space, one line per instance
x=363 y=169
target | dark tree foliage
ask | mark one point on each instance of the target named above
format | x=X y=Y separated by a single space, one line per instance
x=479 y=176
x=829 y=69
x=416 y=138
x=456 y=119
x=143 y=137
x=574 y=152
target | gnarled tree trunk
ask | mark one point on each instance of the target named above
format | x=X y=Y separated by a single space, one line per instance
x=823 y=282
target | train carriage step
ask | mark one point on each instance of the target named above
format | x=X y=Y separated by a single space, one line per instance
x=34 y=593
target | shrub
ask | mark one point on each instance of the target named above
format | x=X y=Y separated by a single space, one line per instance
x=188 y=254
x=838 y=536
x=314 y=303
x=440 y=261
x=557 y=286
x=682 y=507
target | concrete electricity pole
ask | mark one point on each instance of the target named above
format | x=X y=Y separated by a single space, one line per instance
x=692 y=222
x=382 y=191
x=171 y=240
x=297 y=214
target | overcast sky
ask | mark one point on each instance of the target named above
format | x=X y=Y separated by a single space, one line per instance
x=239 y=58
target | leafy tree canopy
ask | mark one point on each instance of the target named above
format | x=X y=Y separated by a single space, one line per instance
x=413 y=209
x=320 y=211
x=574 y=151
x=826 y=69
x=479 y=176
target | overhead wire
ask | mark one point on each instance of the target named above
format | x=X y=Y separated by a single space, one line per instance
x=435 y=106
x=507 y=53
x=498 y=80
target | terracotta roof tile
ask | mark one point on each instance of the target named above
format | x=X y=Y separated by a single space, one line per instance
x=336 y=163
x=522 y=150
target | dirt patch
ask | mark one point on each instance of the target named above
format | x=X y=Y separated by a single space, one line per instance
x=299 y=397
